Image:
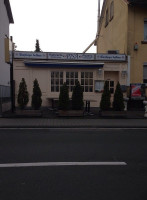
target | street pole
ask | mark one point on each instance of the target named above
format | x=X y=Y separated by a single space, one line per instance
x=97 y=34
x=11 y=78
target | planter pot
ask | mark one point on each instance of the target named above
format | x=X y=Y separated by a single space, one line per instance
x=28 y=113
x=113 y=114
x=70 y=113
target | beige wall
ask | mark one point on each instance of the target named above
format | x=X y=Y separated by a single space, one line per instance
x=43 y=76
x=122 y=32
x=114 y=35
x=136 y=34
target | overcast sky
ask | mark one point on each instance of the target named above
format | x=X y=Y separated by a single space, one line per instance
x=60 y=25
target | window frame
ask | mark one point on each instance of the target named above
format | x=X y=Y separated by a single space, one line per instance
x=107 y=18
x=69 y=79
x=87 y=81
x=56 y=80
x=145 y=30
x=111 y=88
x=111 y=10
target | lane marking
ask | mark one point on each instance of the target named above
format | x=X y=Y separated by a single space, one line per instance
x=75 y=128
x=48 y=164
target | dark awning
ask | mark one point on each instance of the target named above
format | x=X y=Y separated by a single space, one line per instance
x=64 y=64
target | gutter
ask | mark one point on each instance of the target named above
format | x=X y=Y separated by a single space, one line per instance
x=9 y=11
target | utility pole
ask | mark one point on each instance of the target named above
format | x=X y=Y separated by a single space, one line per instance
x=97 y=34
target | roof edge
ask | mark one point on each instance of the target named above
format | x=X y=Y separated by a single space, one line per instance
x=9 y=11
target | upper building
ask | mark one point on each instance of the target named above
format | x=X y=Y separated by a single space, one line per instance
x=6 y=18
x=123 y=29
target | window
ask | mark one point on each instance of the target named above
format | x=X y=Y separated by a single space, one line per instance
x=87 y=81
x=145 y=29
x=111 y=10
x=71 y=78
x=56 y=81
x=111 y=86
x=145 y=74
x=99 y=86
x=107 y=18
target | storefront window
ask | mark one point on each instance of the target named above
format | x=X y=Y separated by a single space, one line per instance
x=56 y=81
x=71 y=78
x=87 y=81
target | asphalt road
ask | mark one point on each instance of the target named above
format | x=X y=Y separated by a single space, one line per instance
x=123 y=182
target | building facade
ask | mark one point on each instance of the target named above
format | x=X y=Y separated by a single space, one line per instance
x=123 y=29
x=5 y=19
x=53 y=69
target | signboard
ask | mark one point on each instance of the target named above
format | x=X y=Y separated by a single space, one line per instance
x=111 y=57
x=136 y=91
x=30 y=55
x=86 y=56
x=8 y=50
x=69 y=56
x=57 y=56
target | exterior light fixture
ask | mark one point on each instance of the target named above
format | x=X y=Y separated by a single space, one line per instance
x=100 y=72
x=124 y=73
x=136 y=47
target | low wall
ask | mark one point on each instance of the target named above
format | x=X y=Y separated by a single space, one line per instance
x=5 y=107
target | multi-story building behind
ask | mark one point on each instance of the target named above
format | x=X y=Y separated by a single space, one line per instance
x=123 y=29
x=6 y=18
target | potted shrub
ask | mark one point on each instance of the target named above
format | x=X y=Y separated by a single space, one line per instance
x=36 y=96
x=105 y=99
x=23 y=95
x=77 y=101
x=77 y=97
x=63 y=99
x=118 y=102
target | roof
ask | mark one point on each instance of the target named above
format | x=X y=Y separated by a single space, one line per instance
x=9 y=11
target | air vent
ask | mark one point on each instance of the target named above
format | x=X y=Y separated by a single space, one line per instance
x=113 y=51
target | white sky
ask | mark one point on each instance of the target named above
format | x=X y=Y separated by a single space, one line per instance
x=60 y=25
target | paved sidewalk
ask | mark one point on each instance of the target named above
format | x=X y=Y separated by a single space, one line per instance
x=71 y=123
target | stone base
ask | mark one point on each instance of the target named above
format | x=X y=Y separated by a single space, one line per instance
x=70 y=113
x=28 y=113
x=113 y=113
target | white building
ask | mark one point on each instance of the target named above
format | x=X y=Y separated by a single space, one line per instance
x=53 y=69
x=6 y=18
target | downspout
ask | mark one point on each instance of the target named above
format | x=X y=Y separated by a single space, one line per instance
x=128 y=71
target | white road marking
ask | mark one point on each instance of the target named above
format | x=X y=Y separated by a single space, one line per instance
x=43 y=164
x=74 y=128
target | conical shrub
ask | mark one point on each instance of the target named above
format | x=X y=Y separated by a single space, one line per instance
x=105 y=99
x=23 y=95
x=118 y=102
x=77 y=97
x=36 y=96
x=64 y=97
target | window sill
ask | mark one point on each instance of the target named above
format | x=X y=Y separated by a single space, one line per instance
x=144 y=42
